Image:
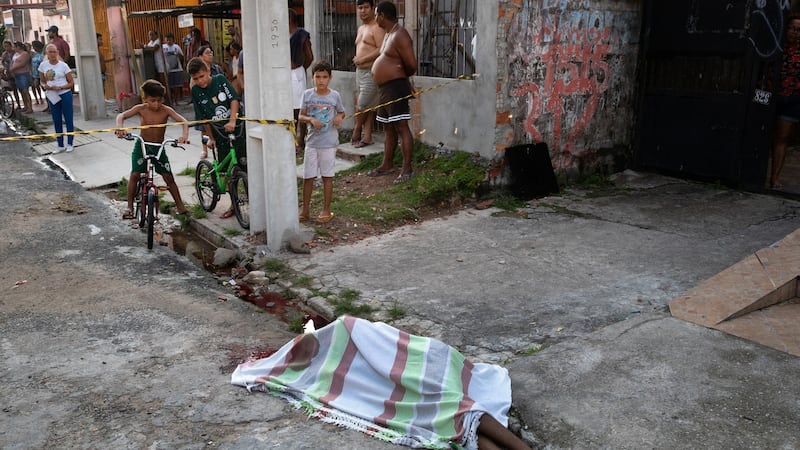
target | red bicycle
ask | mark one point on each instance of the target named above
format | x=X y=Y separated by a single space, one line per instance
x=146 y=200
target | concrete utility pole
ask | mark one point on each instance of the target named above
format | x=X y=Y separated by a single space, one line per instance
x=268 y=95
x=87 y=60
x=120 y=49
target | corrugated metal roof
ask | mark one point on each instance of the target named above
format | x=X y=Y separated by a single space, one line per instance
x=220 y=9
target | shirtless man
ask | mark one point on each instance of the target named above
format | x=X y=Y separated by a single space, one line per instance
x=391 y=72
x=368 y=47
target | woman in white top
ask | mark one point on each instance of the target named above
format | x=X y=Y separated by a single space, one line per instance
x=57 y=82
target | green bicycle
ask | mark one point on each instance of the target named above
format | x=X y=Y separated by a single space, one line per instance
x=213 y=178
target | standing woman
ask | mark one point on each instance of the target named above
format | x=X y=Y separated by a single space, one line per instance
x=57 y=82
x=21 y=68
x=8 y=77
x=37 y=56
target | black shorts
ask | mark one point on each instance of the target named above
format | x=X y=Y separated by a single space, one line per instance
x=788 y=108
x=394 y=96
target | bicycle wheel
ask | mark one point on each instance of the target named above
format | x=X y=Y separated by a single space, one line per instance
x=6 y=104
x=205 y=184
x=139 y=202
x=151 y=216
x=240 y=200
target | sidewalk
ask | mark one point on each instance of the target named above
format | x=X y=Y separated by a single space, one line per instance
x=101 y=159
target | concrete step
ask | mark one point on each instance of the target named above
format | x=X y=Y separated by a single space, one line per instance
x=348 y=152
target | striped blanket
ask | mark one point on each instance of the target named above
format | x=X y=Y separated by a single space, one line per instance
x=376 y=379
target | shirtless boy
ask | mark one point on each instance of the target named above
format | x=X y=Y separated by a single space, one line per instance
x=391 y=71
x=152 y=111
x=368 y=47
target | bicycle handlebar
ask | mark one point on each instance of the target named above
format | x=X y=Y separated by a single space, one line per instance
x=136 y=137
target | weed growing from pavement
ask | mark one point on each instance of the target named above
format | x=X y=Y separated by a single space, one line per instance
x=396 y=311
x=197 y=211
x=188 y=171
x=508 y=202
x=230 y=232
x=346 y=304
x=304 y=281
x=164 y=206
x=531 y=350
x=122 y=188
x=274 y=265
x=319 y=293
x=296 y=320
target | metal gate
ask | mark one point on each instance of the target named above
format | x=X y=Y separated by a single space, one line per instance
x=709 y=68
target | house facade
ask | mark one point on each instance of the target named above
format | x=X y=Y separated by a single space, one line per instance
x=559 y=72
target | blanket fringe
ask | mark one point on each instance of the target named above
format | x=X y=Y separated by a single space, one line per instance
x=332 y=416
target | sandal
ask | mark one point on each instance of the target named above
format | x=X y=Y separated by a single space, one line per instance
x=127 y=215
x=302 y=218
x=362 y=144
x=378 y=172
x=227 y=214
x=403 y=177
x=324 y=219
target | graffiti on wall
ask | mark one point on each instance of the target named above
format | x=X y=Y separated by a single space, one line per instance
x=567 y=54
x=770 y=14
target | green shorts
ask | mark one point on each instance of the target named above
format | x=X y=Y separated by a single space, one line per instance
x=138 y=164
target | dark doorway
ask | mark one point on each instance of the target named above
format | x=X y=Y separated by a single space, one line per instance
x=709 y=69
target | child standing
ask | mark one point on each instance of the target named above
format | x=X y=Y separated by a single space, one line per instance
x=214 y=98
x=322 y=107
x=173 y=58
x=152 y=111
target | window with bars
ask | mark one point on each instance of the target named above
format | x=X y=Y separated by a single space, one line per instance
x=445 y=37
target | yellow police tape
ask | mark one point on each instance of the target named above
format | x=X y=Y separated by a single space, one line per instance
x=289 y=124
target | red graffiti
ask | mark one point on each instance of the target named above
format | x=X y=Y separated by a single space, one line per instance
x=576 y=73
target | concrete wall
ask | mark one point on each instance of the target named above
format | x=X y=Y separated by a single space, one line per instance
x=556 y=71
x=458 y=113
x=570 y=78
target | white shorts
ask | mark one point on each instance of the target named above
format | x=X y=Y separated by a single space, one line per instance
x=319 y=161
x=298 y=87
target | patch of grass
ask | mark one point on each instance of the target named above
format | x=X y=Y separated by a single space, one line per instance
x=531 y=350
x=122 y=188
x=320 y=293
x=230 y=232
x=349 y=294
x=274 y=265
x=187 y=171
x=437 y=180
x=304 y=281
x=322 y=232
x=396 y=311
x=197 y=211
x=346 y=304
x=596 y=180
x=165 y=206
x=296 y=322
x=508 y=202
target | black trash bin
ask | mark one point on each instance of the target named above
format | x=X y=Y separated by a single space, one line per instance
x=532 y=174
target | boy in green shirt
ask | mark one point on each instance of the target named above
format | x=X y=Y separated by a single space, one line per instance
x=215 y=98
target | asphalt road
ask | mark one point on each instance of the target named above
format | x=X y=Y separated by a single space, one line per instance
x=107 y=345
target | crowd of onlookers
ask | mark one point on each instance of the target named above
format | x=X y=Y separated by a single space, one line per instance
x=171 y=58
x=20 y=71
